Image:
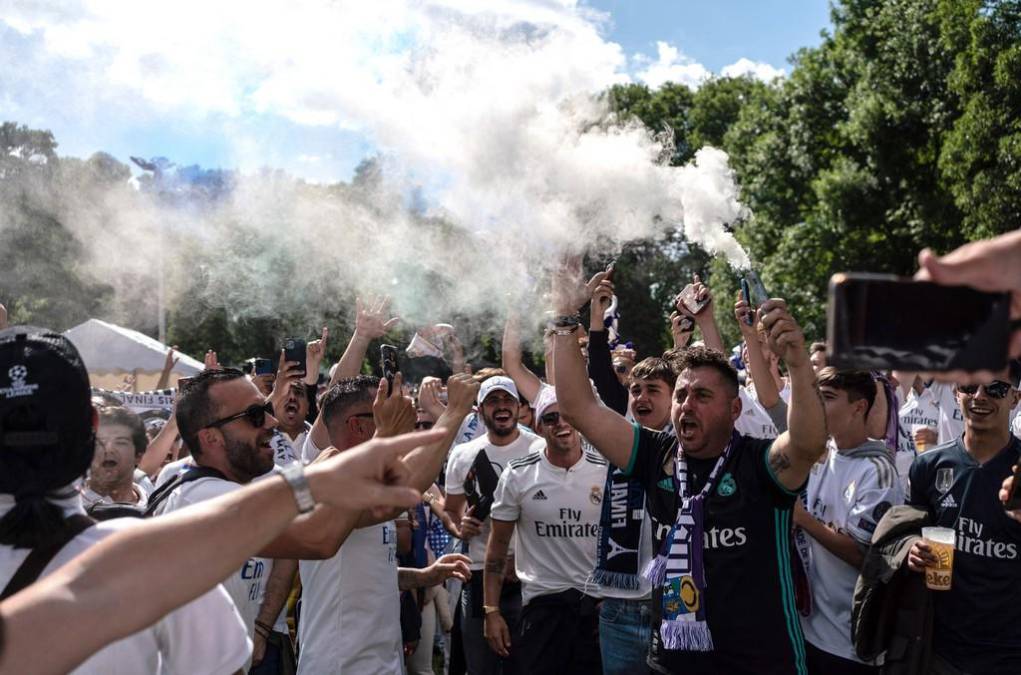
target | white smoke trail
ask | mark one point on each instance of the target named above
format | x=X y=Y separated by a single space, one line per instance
x=492 y=108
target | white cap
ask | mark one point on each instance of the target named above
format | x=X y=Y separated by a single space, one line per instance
x=492 y=384
x=547 y=397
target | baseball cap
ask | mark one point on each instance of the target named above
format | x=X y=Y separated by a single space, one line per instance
x=492 y=384
x=547 y=397
x=47 y=436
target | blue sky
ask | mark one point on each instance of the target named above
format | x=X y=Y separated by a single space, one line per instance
x=50 y=77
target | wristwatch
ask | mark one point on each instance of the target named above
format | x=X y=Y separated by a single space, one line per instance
x=294 y=474
x=490 y=609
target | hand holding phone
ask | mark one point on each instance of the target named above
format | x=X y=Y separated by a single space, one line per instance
x=295 y=352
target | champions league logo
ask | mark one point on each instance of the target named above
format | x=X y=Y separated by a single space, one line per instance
x=18 y=386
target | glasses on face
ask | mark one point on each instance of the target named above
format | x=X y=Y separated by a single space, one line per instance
x=550 y=419
x=424 y=424
x=995 y=389
x=255 y=414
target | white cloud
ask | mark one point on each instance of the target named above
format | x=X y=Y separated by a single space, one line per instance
x=671 y=66
x=757 y=69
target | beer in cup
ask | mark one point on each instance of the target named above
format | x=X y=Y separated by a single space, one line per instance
x=920 y=446
x=941 y=541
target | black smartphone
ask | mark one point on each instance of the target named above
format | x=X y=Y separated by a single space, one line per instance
x=388 y=364
x=747 y=297
x=1014 y=500
x=880 y=322
x=294 y=350
x=262 y=366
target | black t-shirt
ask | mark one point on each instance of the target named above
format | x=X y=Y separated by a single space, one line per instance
x=750 y=595
x=978 y=621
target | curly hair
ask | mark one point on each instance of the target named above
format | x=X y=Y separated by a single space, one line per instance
x=704 y=357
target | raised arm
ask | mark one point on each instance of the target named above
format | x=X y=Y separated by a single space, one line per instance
x=706 y=317
x=758 y=368
x=600 y=360
x=168 y=367
x=607 y=430
x=527 y=382
x=795 y=451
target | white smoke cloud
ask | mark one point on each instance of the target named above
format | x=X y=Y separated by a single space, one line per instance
x=757 y=69
x=489 y=107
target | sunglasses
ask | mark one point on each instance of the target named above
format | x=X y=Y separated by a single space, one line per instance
x=551 y=419
x=255 y=414
x=995 y=389
x=424 y=425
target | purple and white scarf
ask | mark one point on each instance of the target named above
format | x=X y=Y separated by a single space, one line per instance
x=680 y=566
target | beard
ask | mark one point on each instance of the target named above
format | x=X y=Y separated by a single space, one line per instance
x=246 y=459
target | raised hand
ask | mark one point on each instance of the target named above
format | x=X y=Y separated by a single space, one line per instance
x=569 y=289
x=700 y=293
x=429 y=396
x=210 y=360
x=370 y=318
x=394 y=414
x=681 y=327
x=783 y=334
x=314 y=353
x=450 y=565
x=168 y=366
x=742 y=312
x=462 y=389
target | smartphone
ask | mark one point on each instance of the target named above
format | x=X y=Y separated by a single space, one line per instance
x=1014 y=500
x=262 y=366
x=692 y=304
x=388 y=364
x=756 y=290
x=746 y=295
x=880 y=322
x=294 y=350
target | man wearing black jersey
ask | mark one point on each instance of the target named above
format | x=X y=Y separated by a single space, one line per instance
x=725 y=565
x=977 y=625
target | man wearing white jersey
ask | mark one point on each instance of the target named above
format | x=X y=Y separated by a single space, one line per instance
x=552 y=500
x=847 y=494
x=472 y=474
x=47 y=441
x=350 y=619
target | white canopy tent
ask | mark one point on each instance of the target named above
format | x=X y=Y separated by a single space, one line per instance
x=111 y=352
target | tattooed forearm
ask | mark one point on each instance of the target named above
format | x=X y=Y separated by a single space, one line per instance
x=495 y=565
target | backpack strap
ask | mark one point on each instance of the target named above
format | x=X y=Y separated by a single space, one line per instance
x=41 y=555
x=161 y=493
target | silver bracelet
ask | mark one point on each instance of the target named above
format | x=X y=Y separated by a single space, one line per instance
x=294 y=474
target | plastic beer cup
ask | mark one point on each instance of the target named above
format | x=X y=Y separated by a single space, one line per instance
x=941 y=541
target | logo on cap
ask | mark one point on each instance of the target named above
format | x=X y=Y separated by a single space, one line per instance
x=18 y=386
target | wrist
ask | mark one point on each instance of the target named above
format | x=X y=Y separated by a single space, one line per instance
x=491 y=610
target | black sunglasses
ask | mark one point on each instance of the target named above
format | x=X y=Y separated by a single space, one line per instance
x=424 y=425
x=550 y=419
x=995 y=389
x=255 y=414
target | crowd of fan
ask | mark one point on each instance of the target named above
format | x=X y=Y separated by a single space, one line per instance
x=705 y=510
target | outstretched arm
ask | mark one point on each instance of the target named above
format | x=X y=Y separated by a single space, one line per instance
x=527 y=382
x=210 y=540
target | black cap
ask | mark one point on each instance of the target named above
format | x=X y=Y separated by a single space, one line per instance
x=47 y=433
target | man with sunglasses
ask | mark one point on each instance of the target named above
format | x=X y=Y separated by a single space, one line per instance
x=552 y=500
x=977 y=624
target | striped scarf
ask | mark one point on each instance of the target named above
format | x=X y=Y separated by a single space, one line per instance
x=680 y=567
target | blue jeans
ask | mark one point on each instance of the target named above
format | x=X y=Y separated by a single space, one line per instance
x=625 y=629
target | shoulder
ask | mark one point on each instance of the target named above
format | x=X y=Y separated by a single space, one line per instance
x=592 y=457
x=879 y=469
x=521 y=463
x=941 y=454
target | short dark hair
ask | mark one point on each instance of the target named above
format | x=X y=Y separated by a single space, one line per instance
x=704 y=357
x=344 y=395
x=655 y=368
x=486 y=373
x=195 y=407
x=817 y=347
x=859 y=384
x=131 y=420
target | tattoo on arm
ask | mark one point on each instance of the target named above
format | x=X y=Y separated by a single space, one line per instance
x=495 y=565
x=779 y=462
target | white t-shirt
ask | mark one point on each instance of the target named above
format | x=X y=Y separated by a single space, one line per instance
x=849 y=492
x=174 y=468
x=459 y=468
x=204 y=636
x=754 y=421
x=247 y=586
x=287 y=449
x=90 y=497
x=309 y=450
x=350 y=611
x=557 y=515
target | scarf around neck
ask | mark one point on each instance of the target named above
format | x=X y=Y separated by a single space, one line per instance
x=680 y=566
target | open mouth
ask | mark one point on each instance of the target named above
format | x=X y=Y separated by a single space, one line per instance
x=264 y=442
x=563 y=434
x=503 y=416
x=641 y=410
x=980 y=411
x=688 y=428
x=291 y=408
x=109 y=463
